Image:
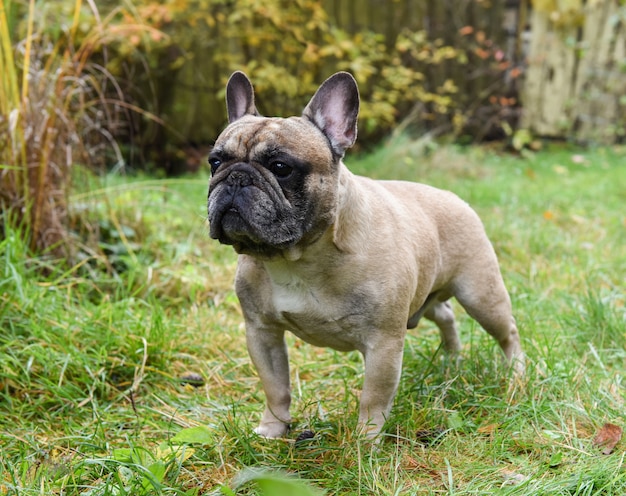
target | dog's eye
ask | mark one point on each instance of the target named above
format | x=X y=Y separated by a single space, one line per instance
x=215 y=163
x=280 y=169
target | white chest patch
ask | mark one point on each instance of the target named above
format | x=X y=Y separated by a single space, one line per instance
x=308 y=312
x=293 y=297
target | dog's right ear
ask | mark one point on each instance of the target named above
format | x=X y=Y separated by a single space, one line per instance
x=239 y=97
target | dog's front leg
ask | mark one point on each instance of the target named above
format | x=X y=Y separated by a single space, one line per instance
x=268 y=351
x=383 y=365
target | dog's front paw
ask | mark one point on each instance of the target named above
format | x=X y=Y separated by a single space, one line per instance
x=272 y=430
x=518 y=364
x=370 y=429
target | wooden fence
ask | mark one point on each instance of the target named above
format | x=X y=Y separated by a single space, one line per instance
x=575 y=84
x=572 y=66
x=190 y=98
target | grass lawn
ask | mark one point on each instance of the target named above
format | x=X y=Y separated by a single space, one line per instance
x=129 y=374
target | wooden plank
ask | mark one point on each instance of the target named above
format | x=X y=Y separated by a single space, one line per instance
x=574 y=84
x=547 y=90
x=600 y=81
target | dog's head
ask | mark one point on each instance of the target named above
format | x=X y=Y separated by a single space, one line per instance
x=274 y=180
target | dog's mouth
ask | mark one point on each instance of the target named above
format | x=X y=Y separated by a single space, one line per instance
x=233 y=229
x=227 y=225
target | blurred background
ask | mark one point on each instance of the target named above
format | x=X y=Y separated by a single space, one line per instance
x=139 y=85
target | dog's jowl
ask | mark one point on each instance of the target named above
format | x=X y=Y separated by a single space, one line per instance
x=337 y=259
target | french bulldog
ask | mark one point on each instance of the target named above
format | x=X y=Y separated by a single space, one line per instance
x=340 y=260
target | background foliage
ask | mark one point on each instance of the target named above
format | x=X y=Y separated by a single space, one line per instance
x=440 y=65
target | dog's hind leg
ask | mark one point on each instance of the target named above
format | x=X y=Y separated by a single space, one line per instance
x=440 y=312
x=486 y=300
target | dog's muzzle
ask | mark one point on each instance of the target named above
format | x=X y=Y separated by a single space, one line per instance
x=248 y=209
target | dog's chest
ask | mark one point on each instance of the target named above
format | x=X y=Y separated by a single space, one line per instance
x=315 y=314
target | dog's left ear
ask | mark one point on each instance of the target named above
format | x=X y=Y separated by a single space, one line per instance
x=334 y=109
x=239 y=97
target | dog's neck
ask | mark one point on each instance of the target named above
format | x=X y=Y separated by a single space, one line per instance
x=352 y=222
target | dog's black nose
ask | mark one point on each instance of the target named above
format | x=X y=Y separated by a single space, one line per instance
x=239 y=178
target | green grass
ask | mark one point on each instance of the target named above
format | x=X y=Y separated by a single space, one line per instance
x=93 y=360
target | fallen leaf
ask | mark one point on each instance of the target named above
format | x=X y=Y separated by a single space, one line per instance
x=555 y=460
x=305 y=436
x=192 y=378
x=531 y=174
x=608 y=437
x=578 y=219
x=488 y=429
x=513 y=478
x=430 y=437
x=200 y=434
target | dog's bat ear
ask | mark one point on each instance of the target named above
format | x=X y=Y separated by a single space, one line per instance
x=334 y=109
x=239 y=97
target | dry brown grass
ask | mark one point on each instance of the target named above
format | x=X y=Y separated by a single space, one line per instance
x=58 y=108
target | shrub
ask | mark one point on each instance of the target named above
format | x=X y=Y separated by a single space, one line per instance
x=452 y=76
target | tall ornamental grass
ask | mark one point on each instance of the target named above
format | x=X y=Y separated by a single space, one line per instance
x=59 y=106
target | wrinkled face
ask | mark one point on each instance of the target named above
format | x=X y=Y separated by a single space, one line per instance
x=273 y=185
